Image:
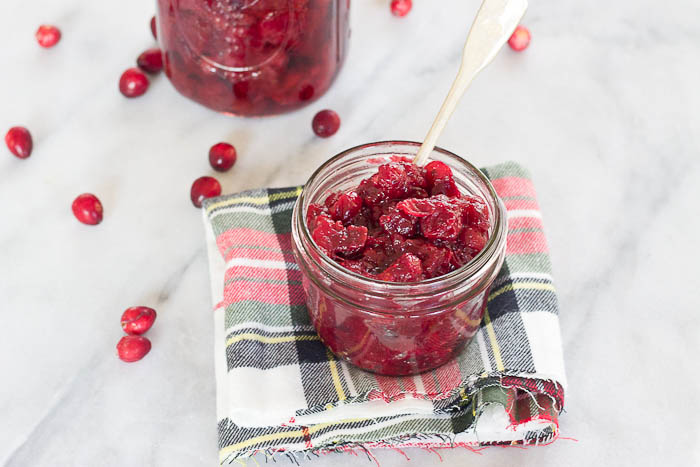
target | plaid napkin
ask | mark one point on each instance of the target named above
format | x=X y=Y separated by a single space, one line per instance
x=280 y=391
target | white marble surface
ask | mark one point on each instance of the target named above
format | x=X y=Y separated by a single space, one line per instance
x=603 y=107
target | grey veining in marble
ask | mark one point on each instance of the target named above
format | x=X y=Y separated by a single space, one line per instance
x=603 y=107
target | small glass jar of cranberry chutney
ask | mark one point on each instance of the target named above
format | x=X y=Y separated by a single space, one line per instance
x=393 y=284
x=253 y=57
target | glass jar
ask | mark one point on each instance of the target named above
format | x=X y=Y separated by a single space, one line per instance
x=387 y=327
x=253 y=57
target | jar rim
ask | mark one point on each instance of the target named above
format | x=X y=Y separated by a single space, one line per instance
x=464 y=272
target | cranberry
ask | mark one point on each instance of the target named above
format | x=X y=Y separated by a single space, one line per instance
x=19 y=141
x=520 y=39
x=133 y=348
x=370 y=191
x=407 y=268
x=222 y=156
x=203 y=188
x=436 y=170
x=138 y=319
x=241 y=89
x=345 y=206
x=313 y=212
x=274 y=26
x=440 y=179
x=153 y=28
x=306 y=93
x=475 y=213
x=417 y=207
x=331 y=199
x=443 y=224
x=335 y=239
x=474 y=239
x=133 y=83
x=445 y=187
x=390 y=181
x=436 y=260
x=401 y=8
x=326 y=123
x=87 y=209
x=47 y=35
x=395 y=222
x=150 y=61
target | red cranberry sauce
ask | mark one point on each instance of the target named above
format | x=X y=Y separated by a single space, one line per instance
x=253 y=57
x=403 y=224
x=395 y=345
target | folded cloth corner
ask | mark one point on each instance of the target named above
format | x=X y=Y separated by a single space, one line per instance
x=280 y=390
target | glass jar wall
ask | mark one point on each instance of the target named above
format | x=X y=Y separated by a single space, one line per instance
x=387 y=327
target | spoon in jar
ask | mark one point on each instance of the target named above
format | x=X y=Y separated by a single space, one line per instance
x=494 y=23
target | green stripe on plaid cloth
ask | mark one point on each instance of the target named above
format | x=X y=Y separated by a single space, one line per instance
x=280 y=390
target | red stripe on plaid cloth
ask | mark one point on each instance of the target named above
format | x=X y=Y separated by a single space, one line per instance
x=229 y=238
x=448 y=376
x=521 y=412
x=275 y=294
x=252 y=253
x=549 y=388
x=514 y=186
x=408 y=384
x=512 y=204
x=524 y=223
x=525 y=243
x=255 y=272
x=390 y=387
x=429 y=383
x=395 y=387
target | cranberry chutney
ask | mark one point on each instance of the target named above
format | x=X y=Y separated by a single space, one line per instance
x=396 y=260
x=403 y=224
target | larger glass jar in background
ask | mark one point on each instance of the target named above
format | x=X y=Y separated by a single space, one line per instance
x=387 y=327
x=253 y=57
